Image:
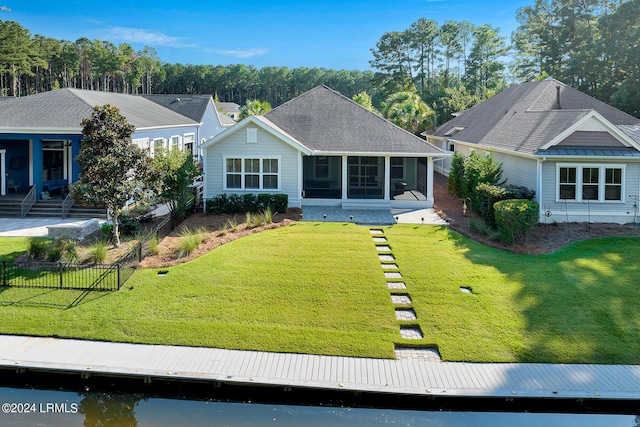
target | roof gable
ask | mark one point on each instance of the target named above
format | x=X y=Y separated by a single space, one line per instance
x=532 y=116
x=328 y=122
x=65 y=108
x=263 y=124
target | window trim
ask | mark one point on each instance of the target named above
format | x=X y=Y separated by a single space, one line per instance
x=192 y=142
x=178 y=146
x=243 y=173
x=153 y=147
x=602 y=185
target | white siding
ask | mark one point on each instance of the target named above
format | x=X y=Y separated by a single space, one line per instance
x=613 y=212
x=516 y=170
x=267 y=146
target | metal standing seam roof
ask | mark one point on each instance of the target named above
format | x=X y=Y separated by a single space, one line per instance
x=525 y=117
x=326 y=121
x=65 y=108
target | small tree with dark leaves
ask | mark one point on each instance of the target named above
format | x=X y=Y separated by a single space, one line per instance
x=112 y=169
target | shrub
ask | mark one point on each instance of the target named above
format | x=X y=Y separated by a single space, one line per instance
x=128 y=225
x=232 y=224
x=267 y=215
x=456 y=171
x=154 y=245
x=235 y=203
x=515 y=218
x=484 y=229
x=107 y=230
x=248 y=220
x=38 y=247
x=488 y=195
x=190 y=239
x=520 y=192
x=98 y=252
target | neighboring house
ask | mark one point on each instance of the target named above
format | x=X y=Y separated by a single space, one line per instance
x=580 y=155
x=200 y=108
x=322 y=148
x=230 y=109
x=40 y=134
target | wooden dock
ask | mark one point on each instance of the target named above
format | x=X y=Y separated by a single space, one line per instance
x=409 y=377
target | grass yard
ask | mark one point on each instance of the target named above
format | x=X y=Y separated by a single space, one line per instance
x=319 y=289
x=578 y=305
x=307 y=288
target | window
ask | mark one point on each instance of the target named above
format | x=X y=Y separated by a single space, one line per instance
x=613 y=184
x=234 y=173
x=567 y=183
x=188 y=143
x=590 y=182
x=270 y=174
x=175 y=143
x=252 y=173
x=158 y=145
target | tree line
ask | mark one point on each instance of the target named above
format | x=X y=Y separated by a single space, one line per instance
x=588 y=44
x=31 y=64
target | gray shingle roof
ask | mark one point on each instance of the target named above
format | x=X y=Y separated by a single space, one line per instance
x=192 y=106
x=65 y=108
x=324 y=120
x=524 y=117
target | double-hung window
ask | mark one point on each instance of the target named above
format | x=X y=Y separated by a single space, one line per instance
x=252 y=173
x=599 y=183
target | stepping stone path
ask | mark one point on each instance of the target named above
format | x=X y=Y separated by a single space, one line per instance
x=404 y=313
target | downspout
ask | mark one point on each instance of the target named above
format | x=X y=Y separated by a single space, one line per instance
x=539 y=190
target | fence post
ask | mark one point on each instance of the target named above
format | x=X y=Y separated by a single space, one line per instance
x=60 y=269
x=140 y=251
x=118 y=274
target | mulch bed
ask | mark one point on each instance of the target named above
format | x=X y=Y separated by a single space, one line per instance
x=545 y=239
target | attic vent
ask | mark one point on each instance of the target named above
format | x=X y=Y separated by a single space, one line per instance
x=453 y=130
x=252 y=135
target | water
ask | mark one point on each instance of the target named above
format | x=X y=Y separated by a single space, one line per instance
x=35 y=407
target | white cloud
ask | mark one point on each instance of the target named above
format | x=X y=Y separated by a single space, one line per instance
x=138 y=35
x=241 y=53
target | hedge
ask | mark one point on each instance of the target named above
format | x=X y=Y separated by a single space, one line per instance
x=248 y=202
x=515 y=218
x=488 y=195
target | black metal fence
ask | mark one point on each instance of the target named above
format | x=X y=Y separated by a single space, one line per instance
x=99 y=277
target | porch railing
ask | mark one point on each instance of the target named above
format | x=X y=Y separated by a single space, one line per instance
x=66 y=205
x=28 y=201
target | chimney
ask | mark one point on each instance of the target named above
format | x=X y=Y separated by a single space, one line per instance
x=558 y=98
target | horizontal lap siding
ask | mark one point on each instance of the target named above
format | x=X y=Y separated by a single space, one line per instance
x=267 y=146
x=622 y=212
x=516 y=170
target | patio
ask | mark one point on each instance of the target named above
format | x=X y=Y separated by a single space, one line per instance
x=371 y=216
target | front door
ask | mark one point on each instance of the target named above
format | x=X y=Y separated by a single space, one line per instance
x=53 y=160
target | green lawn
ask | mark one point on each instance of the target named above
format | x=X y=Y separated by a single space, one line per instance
x=578 y=305
x=303 y=288
x=319 y=288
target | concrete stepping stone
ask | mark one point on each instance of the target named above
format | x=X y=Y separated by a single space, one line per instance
x=389 y=266
x=411 y=332
x=376 y=231
x=424 y=354
x=392 y=275
x=379 y=239
x=386 y=257
x=383 y=248
x=405 y=314
x=400 y=299
x=396 y=285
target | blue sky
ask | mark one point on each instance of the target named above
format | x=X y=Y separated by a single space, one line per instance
x=310 y=33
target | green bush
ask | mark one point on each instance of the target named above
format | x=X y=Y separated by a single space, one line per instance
x=98 y=252
x=252 y=203
x=515 y=218
x=154 y=245
x=107 y=230
x=128 y=225
x=520 y=192
x=38 y=247
x=488 y=195
x=456 y=171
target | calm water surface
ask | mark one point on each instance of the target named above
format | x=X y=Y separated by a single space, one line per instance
x=28 y=407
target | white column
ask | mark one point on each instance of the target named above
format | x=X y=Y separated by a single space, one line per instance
x=387 y=178
x=430 y=180
x=3 y=178
x=345 y=178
